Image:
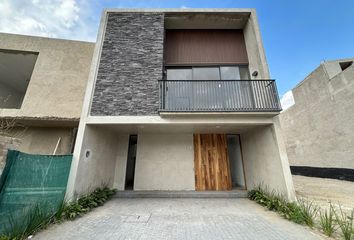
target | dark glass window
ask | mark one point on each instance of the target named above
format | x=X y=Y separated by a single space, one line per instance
x=230 y=73
x=179 y=74
x=208 y=73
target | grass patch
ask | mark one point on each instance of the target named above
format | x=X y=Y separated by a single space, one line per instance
x=38 y=217
x=328 y=221
x=345 y=223
x=35 y=218
x=303 y=212
x=308 y=211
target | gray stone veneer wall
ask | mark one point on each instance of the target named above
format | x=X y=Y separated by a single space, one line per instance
x=130 y=65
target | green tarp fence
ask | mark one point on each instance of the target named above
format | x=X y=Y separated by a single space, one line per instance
x=31 y=181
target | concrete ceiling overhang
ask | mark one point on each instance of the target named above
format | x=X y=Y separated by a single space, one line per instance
x=177 y=128
x=206 y=20
x=16 y=68
x=221 y=123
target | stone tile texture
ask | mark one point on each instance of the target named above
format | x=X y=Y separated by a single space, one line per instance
x=130 y=65
x=179 y=219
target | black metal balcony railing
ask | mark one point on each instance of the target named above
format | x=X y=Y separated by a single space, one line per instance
x=218 y=96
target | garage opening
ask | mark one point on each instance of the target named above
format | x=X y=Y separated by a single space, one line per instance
x=130 y=171
x=16 y=69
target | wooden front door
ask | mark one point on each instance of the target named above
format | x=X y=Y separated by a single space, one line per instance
x=211 y=162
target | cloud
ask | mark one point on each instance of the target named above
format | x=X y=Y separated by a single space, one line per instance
x=287 y=100
x=68 y=19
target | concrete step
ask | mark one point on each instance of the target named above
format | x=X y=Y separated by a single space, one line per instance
x=182 y=194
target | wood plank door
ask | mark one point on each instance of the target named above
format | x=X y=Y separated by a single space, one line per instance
x=211 y=162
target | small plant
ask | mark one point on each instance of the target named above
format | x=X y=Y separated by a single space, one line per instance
x=302 y=213
x=327 y=221
x=345 y=223
x=73 y=210
x=305 y=212
x=35 y=217
x=293 y=213
x=308 y=211
x=86 y=203
x=5 y=238
x=60 y=213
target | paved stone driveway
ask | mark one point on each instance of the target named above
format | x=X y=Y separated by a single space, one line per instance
x=179 y=219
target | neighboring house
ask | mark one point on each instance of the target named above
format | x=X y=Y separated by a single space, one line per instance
x=179 y=99
x=319 y=128
x=42 y=85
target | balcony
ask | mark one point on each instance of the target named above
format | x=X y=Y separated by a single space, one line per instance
x=219 y=96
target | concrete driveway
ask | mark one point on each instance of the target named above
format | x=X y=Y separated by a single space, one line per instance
x=179 y=219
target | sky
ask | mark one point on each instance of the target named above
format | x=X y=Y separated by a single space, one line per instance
x=297 y=35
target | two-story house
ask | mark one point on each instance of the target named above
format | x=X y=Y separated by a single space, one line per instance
x=179 y=99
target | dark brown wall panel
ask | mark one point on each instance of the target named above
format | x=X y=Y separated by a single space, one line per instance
x=205 y=47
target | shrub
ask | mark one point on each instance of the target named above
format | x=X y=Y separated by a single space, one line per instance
x=302 y=213
x=86 y=203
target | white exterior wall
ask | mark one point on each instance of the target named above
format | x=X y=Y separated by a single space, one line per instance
x=98 y=169
x=254 y=46
x=164 y=162
x=266 y=162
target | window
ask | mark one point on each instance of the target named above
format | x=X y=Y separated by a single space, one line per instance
x=244 y=73
x=179 y=74
x=206 y=92
x=230 y=73
x=15 y=73
x=208 y=73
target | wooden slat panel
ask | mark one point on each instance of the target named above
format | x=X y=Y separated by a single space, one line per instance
x=211 y=162
x=221 y=46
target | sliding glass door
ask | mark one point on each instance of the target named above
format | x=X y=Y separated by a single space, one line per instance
x=207 y=88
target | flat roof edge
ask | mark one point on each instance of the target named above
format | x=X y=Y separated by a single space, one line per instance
x=46 y=38
x=182 y=10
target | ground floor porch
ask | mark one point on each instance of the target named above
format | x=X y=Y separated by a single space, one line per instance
x=169 y=157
